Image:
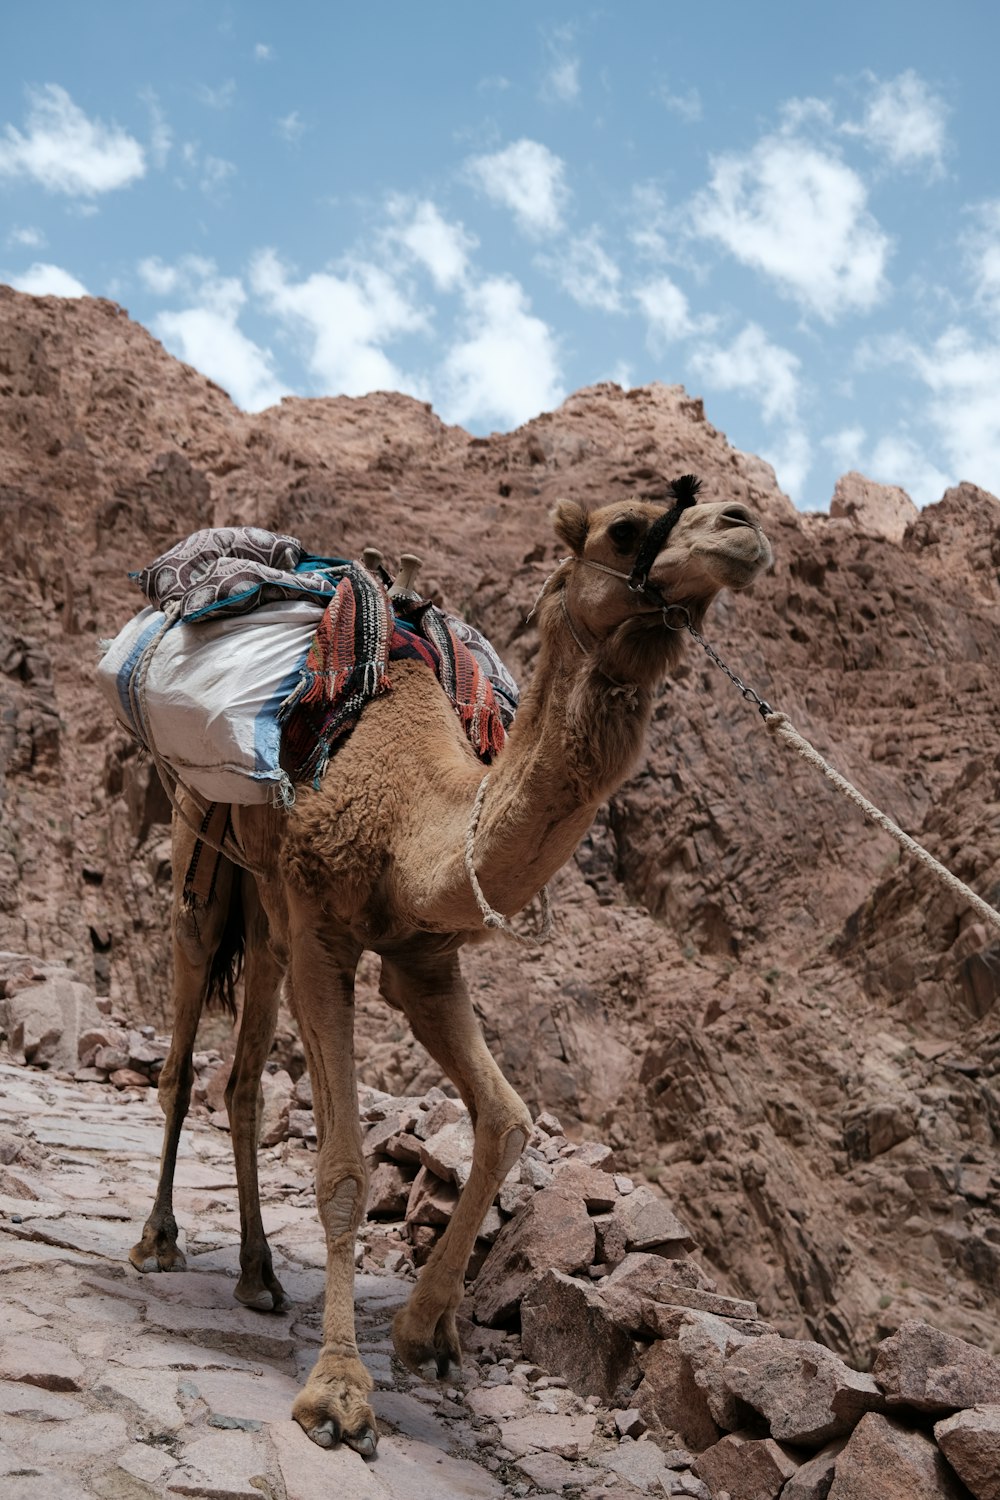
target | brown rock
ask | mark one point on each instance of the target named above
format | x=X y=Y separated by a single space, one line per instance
x=806 y=1393
x=129 y=1078
x=707 y=1342
x=650 y=1225
x=43 y=1021
x=932 y=1371
x=448 y=1152
x=610 y=1232
x=884 y=1460
x=813 y=1480
x=878 y=509
x=552 y=1232
x=641 y=1279
x=388 y=1191
x=38 y=1361
x=430 y=1200
x=567 y=1328
x=277 y=1088
x=596 y=1188
x=746 y=1468
x=970 y=1441
x=593 y=1154
x=670 y=1400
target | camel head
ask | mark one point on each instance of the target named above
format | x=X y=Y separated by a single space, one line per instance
x=709 y=546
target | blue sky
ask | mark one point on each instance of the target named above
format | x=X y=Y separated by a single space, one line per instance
x=792 y=209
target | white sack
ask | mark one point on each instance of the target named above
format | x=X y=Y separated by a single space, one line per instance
x=212 y=695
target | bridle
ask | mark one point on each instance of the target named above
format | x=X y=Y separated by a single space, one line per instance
x=685 y=491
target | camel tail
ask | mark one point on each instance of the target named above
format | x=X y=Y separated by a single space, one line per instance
x=227 y=960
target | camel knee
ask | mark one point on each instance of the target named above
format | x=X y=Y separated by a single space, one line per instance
x=340 y=1206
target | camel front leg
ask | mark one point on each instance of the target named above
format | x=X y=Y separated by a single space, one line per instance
x=333 y=1406
x=433 y=995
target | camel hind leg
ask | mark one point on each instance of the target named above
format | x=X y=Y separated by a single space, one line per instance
x=196 y=936
x=258 y=1287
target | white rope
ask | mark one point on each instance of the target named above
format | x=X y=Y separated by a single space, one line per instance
x=496 y=919
x=780 y=725
x=168 y=776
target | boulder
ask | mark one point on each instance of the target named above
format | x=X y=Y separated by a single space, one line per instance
x=277 y=1089
x=650 y=1225
x=43 y=1020
x=551 y=1232
x=567 y=1328
x=807 y=1394
x=933 y=1371
x=388 y=1191
x=448 y=1151
x=970 y=1441
x=707 y=1342
x=430 y=1200
x=878 y=509
x=670 y=1400
x=746 y=1468
x=884 y=1460
x=813 y=1480
x=596 y=1188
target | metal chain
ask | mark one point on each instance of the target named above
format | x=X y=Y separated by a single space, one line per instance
x=763 y=707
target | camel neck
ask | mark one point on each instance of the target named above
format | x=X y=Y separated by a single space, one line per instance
x=575 y=739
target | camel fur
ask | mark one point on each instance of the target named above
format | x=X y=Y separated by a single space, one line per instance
x=373 y=860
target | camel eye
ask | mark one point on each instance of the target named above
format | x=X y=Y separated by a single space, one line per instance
x=624 y=535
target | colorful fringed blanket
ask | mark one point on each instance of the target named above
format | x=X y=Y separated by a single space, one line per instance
x=347 y=665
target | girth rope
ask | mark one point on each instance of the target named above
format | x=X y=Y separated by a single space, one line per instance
x=496 y=919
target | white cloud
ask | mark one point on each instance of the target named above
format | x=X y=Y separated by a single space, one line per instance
x=44 y=280
x=791 y=459
x=797 y=214
x=26 y=235
x=981 y=246
x=527 y=178
x=666 y=308
x=845 y=447
x=687 y=105
x=345 y=321
x=756 y=368
x=561 y=84
x=65 y=152
x=897 y=459
x=506 y=368
x=222 y=97
x=650 y=236
x=263 y=52
x=442 y=248
x=161 y=137
x=767 y=374
x=291 y=127
x=586 y=271
x=905 y=122
x=206 y=334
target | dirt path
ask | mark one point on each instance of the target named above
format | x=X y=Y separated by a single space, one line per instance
x=117 y=1385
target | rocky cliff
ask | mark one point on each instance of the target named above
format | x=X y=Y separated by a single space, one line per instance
x=766 y=1013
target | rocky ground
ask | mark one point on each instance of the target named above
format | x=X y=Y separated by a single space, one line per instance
x=602 y=1362
x=764 y=1012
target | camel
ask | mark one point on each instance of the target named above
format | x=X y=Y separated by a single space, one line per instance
x=374 y=859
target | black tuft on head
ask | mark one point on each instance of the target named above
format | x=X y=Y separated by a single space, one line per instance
x=686 y=490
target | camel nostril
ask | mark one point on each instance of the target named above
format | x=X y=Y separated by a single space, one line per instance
x=736 y=515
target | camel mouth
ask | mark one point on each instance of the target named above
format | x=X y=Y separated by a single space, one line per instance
x=738 y=551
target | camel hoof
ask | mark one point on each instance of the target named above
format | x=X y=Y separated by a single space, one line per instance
x=157 y=1254
x=267 y=1299
x=332 y=1408
x=416 y=1345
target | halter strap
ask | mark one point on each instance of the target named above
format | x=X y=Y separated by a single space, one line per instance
x=685 y=491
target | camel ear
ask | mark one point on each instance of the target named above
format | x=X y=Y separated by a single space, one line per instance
x=571 y=522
